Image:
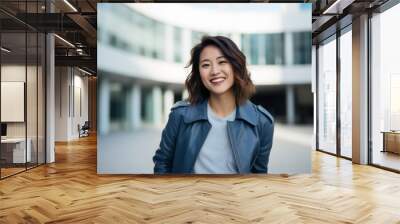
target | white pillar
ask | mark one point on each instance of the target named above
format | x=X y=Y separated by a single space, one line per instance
x=168 y=103
x=289 y=50
x=360 y=90
x=157 y=105
x=290 y=104
x=134 y=106
x=104 y=105
x=50 y=98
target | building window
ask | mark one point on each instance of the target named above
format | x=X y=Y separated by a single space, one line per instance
x=302 y=47
x=177 y=44
x=263 y=49
x=254 y=49
x=139 y=34
x=245 y=42
x=274 y=49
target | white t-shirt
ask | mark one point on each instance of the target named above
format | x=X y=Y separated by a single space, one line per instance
x=216 y=155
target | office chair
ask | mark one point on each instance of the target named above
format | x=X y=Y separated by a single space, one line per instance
x=84 y=130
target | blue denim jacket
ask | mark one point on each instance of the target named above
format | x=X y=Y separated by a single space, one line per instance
x=250 y=136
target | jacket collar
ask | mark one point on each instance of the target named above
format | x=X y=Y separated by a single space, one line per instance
x=197 y=112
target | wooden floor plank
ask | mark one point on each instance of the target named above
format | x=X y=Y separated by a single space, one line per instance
x=70 y=191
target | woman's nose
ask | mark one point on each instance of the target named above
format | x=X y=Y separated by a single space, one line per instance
x=215 y=69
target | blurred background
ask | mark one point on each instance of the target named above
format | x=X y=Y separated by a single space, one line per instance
x=143 y=49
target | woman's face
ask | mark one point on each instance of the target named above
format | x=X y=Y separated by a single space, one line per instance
x=215 y=71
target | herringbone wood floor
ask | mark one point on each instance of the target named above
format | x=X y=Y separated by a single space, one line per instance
x=70 y=191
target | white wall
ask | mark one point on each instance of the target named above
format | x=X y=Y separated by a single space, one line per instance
x=80 y=100
x=11 y=73
x=71 y=94
x=62 y=81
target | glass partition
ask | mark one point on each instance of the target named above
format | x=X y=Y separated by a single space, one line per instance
x=22 y=77
x=327 y=96
x=14 y=153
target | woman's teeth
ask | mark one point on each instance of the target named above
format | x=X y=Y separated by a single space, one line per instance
x=217 y=80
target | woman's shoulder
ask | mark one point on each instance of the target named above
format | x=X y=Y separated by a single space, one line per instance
x=264 y=114
x=178 y=110
x=180 y=107
x=180 y=104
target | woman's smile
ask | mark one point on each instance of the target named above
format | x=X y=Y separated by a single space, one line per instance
x=217 y=80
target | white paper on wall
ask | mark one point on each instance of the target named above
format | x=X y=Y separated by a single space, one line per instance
x=12 y=101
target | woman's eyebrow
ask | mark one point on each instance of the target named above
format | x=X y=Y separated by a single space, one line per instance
x=204 y=60
x=220 y=57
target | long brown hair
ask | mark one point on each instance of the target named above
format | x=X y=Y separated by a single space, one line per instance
x=243 y=87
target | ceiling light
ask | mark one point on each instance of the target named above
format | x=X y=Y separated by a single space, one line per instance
x=70 y=5
x=5 y=50
x=86 y=72
x=64 y=40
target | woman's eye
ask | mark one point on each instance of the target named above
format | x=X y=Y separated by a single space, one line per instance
x=222 y=62
x=204 y=65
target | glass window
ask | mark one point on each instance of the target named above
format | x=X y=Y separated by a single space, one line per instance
x=177 y=44
x=345 y=94
x=327 y=96
x=254 y=49
x=245 y=42
x=385 y=87
x=159 y=31
x=135 y=33
x=264 y=49
x=274 y=49
x=22 y=65
x=302 y=48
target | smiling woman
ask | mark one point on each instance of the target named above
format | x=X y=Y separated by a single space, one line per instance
x=218 y=130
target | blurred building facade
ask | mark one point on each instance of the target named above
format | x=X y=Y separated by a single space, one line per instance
x=142 y=54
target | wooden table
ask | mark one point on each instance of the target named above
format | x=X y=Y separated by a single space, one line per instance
x=391 y=141
x=13 y=150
